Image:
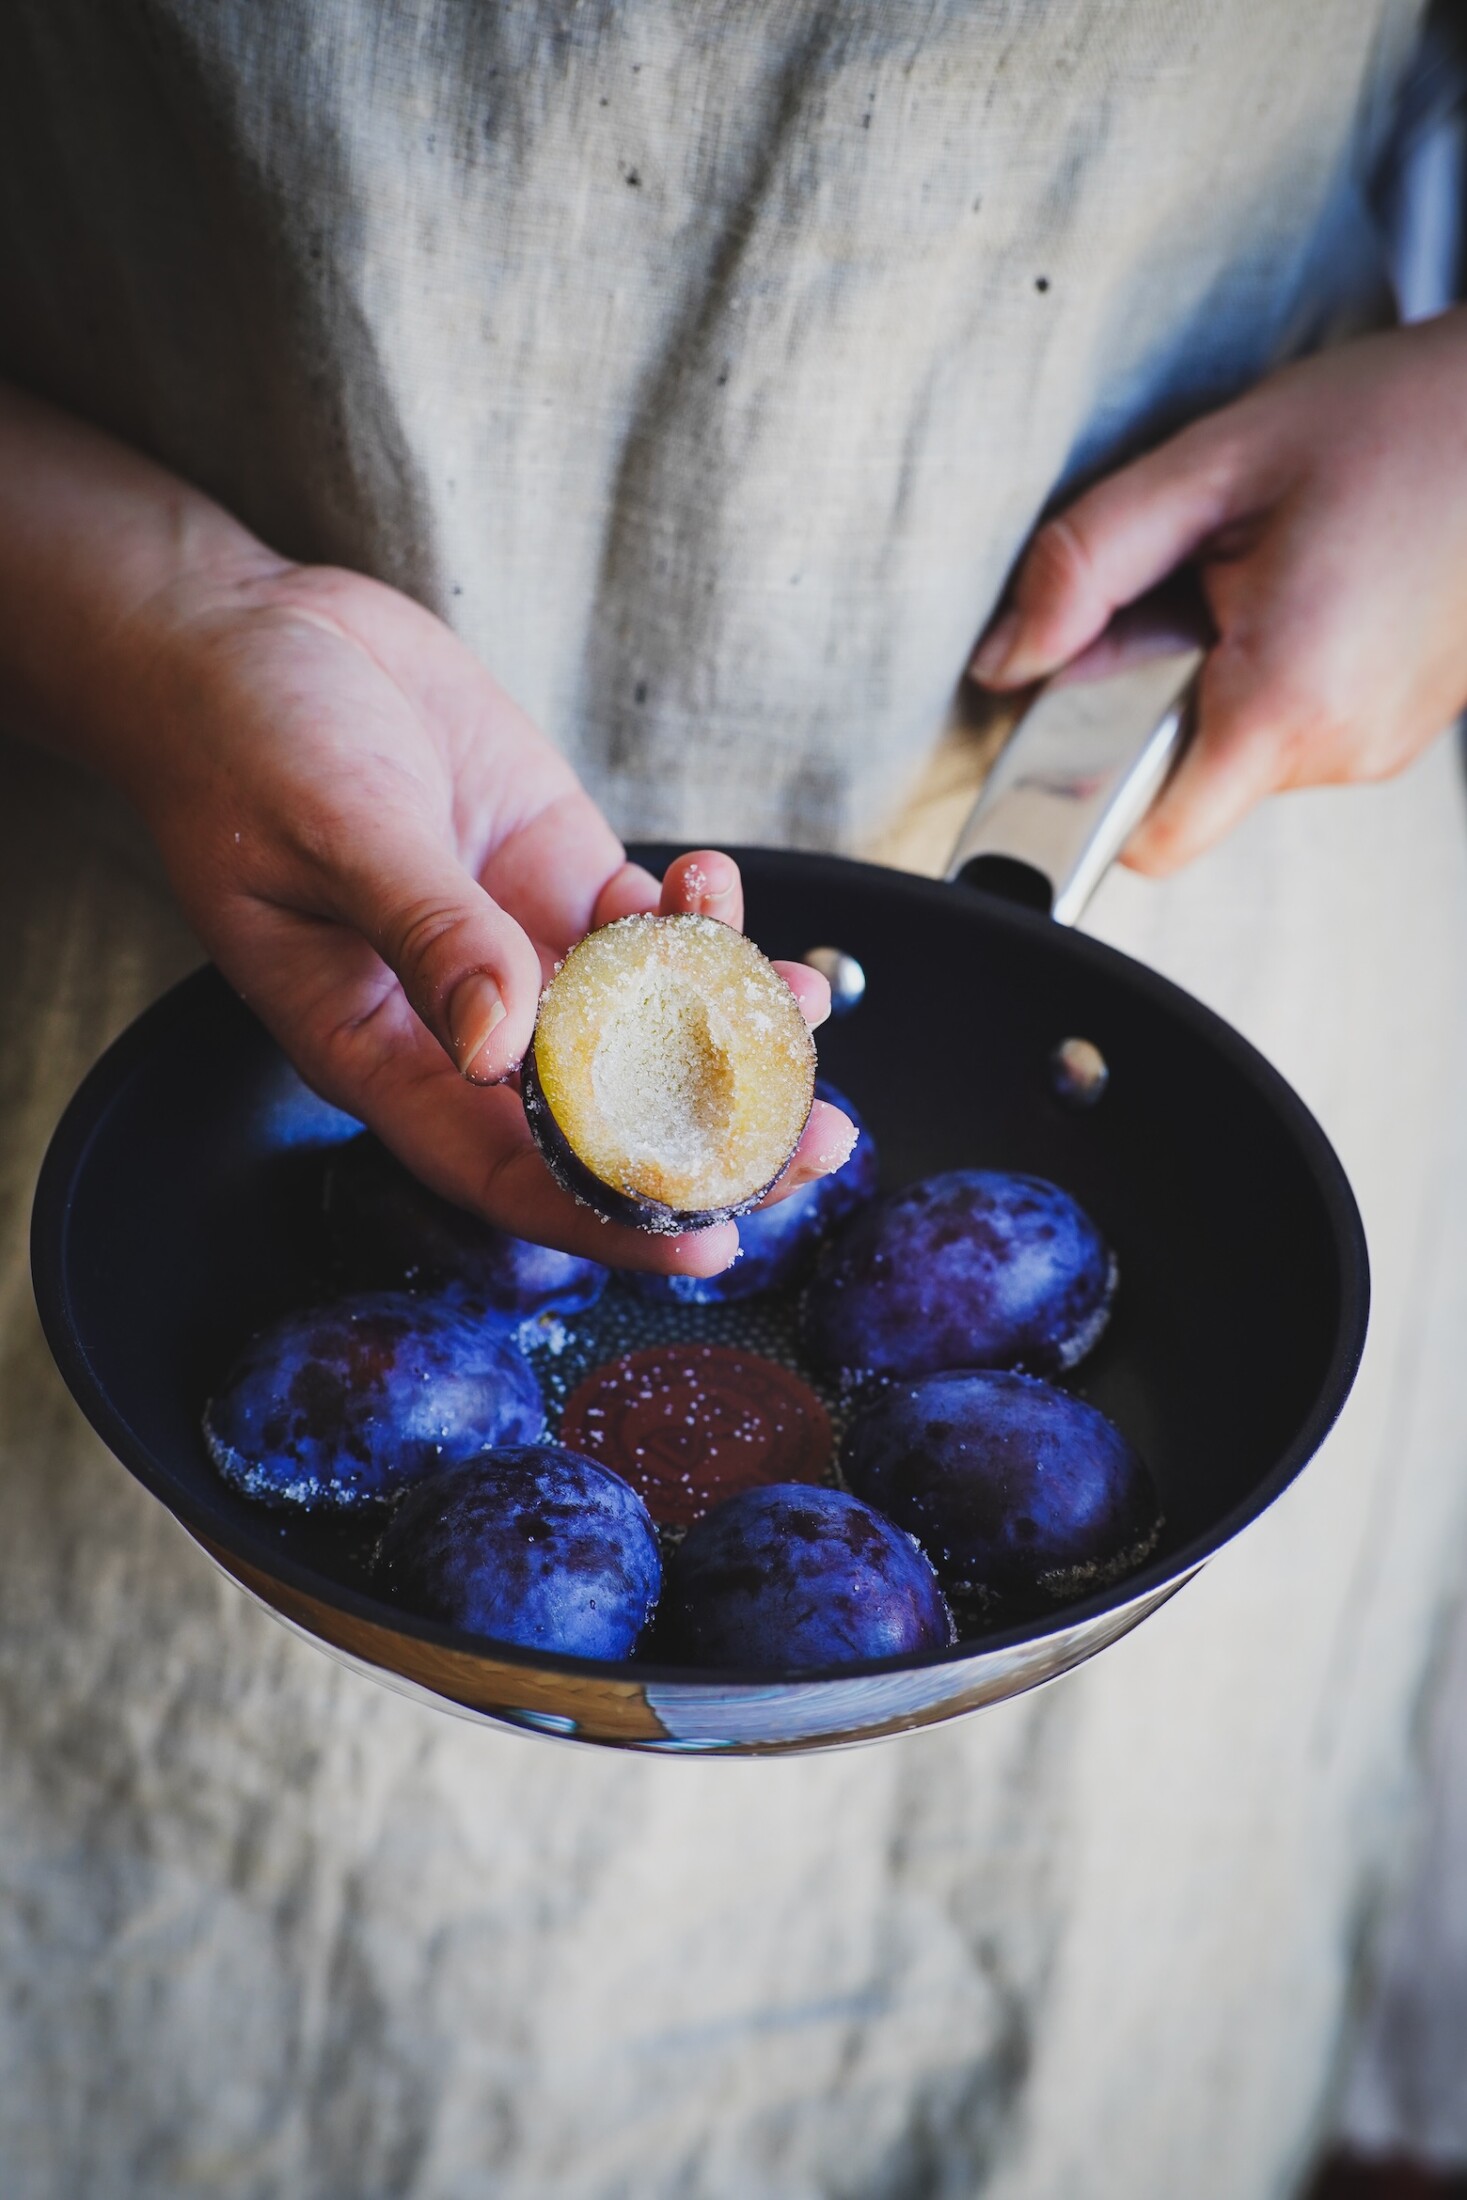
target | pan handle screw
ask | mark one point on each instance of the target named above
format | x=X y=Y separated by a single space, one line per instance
x=1078 y=1072
x=846 y=978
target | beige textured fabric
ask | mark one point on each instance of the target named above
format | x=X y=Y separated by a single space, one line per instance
x=266 y=1930
x=705 y=364
x=1405 y=2084
x=713 y=416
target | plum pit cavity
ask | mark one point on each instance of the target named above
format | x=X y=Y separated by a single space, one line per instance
x=662 y=1080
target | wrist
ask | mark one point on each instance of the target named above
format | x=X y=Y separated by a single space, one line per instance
x=140 y=683
x=107 y=564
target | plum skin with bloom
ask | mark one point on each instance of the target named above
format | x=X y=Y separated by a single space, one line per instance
x=530 y=1544
x=390 y=1229
x=778 y=1244
x=791 y=1578
x=1014 y=1489
x=348 y=1404
x=975 y=1268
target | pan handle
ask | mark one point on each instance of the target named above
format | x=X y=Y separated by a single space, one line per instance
x=1080 y=770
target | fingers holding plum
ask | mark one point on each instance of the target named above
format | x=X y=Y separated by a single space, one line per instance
x=826 y=1144
x=810 y=988
x=704 y=884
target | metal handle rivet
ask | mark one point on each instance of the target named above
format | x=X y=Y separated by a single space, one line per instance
x=1078 y=1072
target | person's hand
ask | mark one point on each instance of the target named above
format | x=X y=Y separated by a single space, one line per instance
x=1326 y=516
x=386 y=860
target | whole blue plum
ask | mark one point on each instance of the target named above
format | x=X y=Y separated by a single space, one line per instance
x=1013 y=1488
x=390 y=1229
x=972 y=1269
x=790 y=1578
x=778 y=1244
x=531 y=1544
x=348 y=1404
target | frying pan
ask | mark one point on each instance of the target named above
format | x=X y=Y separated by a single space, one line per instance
x=172 y=1219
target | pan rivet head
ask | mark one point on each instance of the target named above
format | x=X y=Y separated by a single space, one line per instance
x=1078 y=1072
x=843 y=974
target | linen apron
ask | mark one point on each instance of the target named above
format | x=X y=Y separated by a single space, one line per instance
x=706 y=365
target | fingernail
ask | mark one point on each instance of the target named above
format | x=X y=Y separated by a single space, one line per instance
x=710 y=888
x=994 y=651
x=475 y=1012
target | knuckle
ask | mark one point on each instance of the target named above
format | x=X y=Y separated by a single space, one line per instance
x=419 y=939
x=1314 y=733
x=1284 y=715
x=1060 y=560
x=355 y=1051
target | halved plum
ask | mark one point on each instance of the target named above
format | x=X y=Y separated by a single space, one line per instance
x=671 y=1073
x=532 y=1544
x=790 y=1578
x=349 y=1404
x=1016 y=1491
x=975 y=1268
x=778 y=1244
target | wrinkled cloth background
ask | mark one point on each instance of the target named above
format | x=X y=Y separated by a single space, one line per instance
x=695 y=362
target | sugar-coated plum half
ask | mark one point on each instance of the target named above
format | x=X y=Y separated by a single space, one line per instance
x=972 y=1269
x=670 y=1075
x=1015 y=1490
x=790 y=1579
x=349 y=1404
x=778 y=1244
x=390 y=1229
x=530 y=1544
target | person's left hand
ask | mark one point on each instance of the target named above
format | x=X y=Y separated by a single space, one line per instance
x=1326 y=516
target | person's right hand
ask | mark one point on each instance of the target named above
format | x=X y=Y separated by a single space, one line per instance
x=386 y=860
x=1324 y=515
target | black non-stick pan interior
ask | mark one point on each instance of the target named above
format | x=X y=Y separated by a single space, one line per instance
x=178 y=1209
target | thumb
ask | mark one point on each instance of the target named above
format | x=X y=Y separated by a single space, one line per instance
x=471 y=973
x=1113 y=544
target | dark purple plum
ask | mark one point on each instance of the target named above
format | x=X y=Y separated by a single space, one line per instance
x=1014 y=1489
x=789 y=1579
x=778 y=1244
x=349 y=1404
x=390 y=1229
x=972 y=1269
x=530 y=1544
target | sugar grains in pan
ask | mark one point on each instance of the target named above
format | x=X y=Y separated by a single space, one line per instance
x=688 y=1423
x=671 y=1073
